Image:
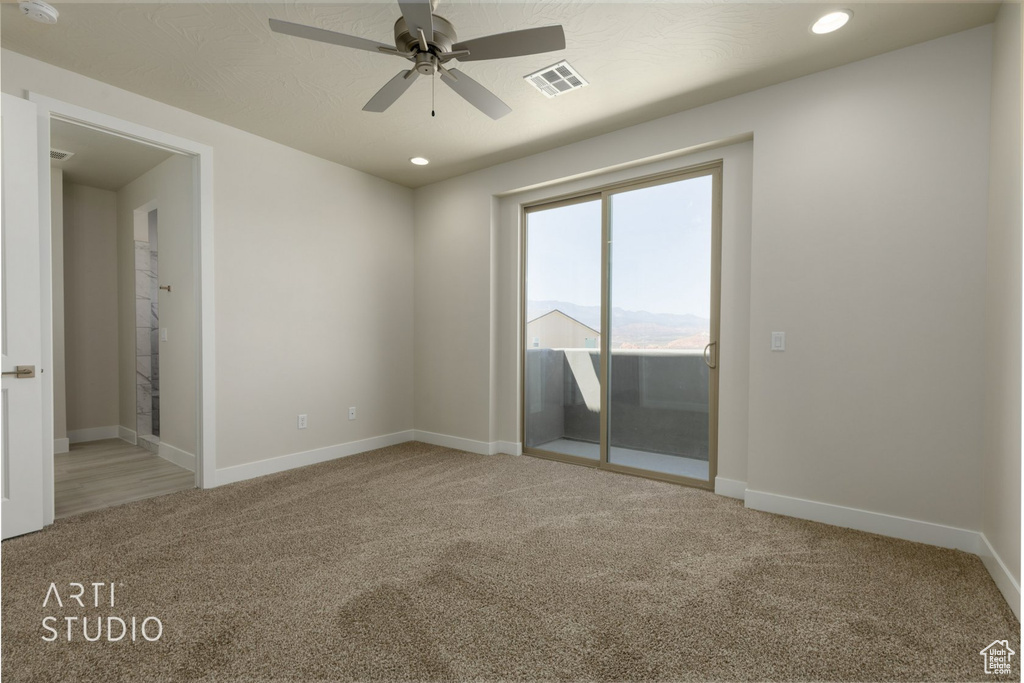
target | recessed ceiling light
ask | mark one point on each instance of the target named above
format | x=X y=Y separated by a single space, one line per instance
x=833 y=21
x=420 y=161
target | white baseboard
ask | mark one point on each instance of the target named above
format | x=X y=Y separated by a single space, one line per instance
x=731 y=488
x=61 y=446
x=177 y=456
x=1007 y=585
x=896 y=527
x=92 y=434
x=456 y=442
x=863 y=520
x=128 y=435
x=230 y=475
x=509 y=447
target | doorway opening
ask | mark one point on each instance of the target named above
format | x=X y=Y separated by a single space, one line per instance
x=123 y=274
x=621 y=292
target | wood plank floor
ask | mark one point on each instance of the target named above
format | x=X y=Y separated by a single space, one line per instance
x=99 y=474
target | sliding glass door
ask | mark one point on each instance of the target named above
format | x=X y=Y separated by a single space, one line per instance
x=562 y=400
x=660 y=273
x=621 y=326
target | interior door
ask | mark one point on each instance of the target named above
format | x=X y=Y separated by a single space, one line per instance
x=21 y=443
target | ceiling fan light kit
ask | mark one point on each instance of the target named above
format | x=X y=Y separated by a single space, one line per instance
x=430 y=43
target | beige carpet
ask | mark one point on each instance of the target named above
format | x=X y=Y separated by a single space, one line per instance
x=419 y=562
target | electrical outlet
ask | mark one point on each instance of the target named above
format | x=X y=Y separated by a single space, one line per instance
x=352 y=413
x=303 y=423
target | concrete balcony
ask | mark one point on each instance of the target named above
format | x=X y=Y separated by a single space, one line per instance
x=658 y=413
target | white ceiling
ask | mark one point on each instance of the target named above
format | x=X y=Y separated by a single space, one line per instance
x=100 y=159
x=643 y=61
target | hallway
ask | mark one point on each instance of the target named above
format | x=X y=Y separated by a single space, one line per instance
x=101 y=474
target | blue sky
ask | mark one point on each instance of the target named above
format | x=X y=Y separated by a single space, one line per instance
x=661 y=250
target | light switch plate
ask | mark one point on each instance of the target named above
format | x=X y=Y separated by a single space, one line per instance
x=163 y=334
x=778 y=341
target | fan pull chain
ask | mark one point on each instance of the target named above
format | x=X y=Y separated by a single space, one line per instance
x=433 y=78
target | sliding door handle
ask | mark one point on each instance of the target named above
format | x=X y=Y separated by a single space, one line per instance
x=707 y=355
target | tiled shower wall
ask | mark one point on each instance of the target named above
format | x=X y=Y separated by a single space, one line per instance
x=147 y=334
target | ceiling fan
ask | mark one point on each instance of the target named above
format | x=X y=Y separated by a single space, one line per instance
x=430 y=42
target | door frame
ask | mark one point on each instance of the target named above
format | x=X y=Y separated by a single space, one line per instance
x=604 y=193
x=202 y=258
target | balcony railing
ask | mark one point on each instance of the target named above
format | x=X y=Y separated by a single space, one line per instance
x=659 y=399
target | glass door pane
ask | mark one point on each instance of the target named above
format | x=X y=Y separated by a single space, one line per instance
x=562 y=338
x=660 y=301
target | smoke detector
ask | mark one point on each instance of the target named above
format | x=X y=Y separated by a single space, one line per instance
x=37 y=10
x=60 y=155
x=556 y=79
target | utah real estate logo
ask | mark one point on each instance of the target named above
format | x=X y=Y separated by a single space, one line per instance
x=997 y=657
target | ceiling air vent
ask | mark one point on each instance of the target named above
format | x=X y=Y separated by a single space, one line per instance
x=60 y=155
x=556 y=79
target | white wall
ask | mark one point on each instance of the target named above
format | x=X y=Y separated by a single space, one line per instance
x=1001 y=487
x=868 y=250
x=90 y=307
x=60 y=418
x=869 y=197
x=314 y=280
x=168 y=188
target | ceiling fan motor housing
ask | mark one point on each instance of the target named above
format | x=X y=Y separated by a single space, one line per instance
x=425 y=63
x=444 y=36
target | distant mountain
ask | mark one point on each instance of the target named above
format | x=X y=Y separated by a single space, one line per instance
x=634 y=329
x=591 y=315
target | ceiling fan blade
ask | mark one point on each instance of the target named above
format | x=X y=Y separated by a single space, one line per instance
x=418 y=15
x=529 y=41
x=476 y=94
x=391 y=91
x=324 y=36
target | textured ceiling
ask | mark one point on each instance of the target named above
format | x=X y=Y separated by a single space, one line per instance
x=100 y=159
x=643 y=61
